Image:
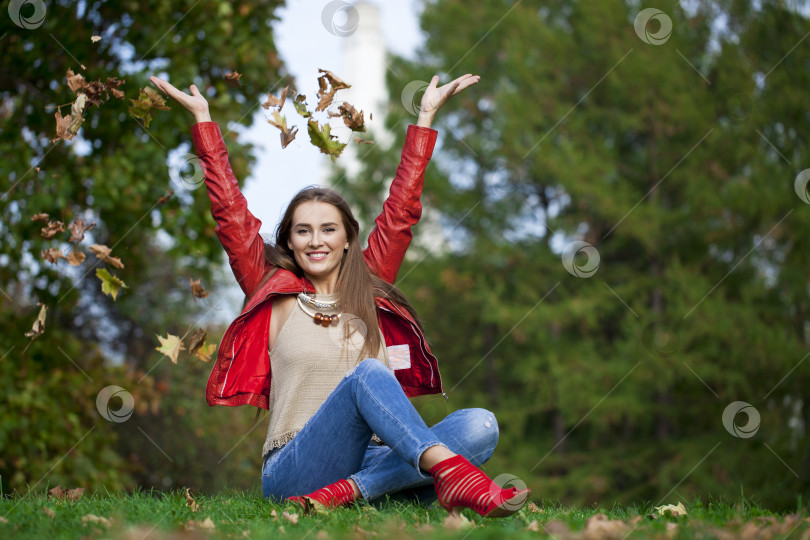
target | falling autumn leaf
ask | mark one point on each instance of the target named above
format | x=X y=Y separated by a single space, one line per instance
x=78 y=228
x=328 y=84
x=287 y=135
x=358 y=140
x=39 y=325
x=170 y=346
x=54 y=227
x=196 y=340
x=75 y=258
x=196 y=289
x=52 y=255
x=110 y=283
x=232 y=78
x=165 y=197
x=191 y=503
x=204 y=353
x=148 y=99
x=40 y=217
x=300 y=103
x=95 y=39
x=273 y=101
x=63 y=124
x=323 y=139
x=75 y=81
x=103 y=253
x=352 y=117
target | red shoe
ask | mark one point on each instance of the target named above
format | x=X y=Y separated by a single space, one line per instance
x=332 y=496
x=460 y=484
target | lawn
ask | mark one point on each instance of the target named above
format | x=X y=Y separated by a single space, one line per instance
x=140 y=515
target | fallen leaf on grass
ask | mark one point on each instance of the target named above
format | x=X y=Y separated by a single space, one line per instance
x=78 y=228
x=457 y=521
x=48 y=512
x=52 y=255
x=292 y=518
x=70 y=495
x=75 y=258
x=170 y=346
x=191 y=503
x=3 y=520
x=533 y=508
x=556 y=527
x=110 y=283
x=205 y=525
x=362 y=532
x=675 y=511
x=91 y=518
x=533 y=526
x=196 y=289
x=103 y=253
x=52 y=229
x=37 y=329
x=600 y=526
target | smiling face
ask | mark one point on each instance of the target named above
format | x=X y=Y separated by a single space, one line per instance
x=317 y=240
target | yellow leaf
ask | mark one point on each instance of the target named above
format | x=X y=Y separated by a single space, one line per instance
x=676 y=511
x=170 y=346
x=110 y=283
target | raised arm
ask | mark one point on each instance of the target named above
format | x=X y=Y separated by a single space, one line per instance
x=391 y=236
x=237 y=228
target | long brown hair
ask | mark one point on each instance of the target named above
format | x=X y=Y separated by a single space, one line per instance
x=357 y=284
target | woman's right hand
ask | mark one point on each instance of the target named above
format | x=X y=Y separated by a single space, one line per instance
x=195 y=103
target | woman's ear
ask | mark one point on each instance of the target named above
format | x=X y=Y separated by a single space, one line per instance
x=289 y=244
x=346 y=246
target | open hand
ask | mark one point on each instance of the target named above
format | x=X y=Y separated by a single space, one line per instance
x=436 y=96
x=195 y=103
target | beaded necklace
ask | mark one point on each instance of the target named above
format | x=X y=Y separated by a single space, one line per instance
x=319 y=318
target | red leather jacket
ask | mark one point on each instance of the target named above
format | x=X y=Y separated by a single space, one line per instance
x=241 y=374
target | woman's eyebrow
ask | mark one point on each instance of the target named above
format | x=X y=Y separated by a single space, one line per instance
x=331 y=223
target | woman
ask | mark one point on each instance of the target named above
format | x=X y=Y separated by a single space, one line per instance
x=340 y=429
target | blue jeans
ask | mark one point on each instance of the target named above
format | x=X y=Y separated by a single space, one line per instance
x=334 y=443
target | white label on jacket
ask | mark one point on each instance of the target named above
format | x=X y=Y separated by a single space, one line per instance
x=399 y=357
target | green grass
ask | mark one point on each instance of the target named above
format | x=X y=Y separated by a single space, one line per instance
x=142 y=515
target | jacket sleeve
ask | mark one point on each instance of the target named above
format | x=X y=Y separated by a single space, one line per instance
x=237 y=228
x=391 y=236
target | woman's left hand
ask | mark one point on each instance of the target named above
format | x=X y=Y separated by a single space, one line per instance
x=436 y=96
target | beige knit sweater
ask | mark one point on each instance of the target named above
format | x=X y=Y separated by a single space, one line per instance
x=307 y=362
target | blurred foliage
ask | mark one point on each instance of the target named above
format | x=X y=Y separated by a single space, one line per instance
x=677 y=163
x=114 y=173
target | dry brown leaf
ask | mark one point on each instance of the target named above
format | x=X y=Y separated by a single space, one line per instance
x=362 y=532
x=457 y=521
x=91 y=518
x=196 y=340
x=273 y=101
x=600 y=526
x=75 y=258
x=191 y=503
x=196 y=289
x=52 y=229
x=274 y=514
x=533 y=526
x=103 y=252
x=352 y=117
x=328 y=85
x=36 y=330
x=40 y=217
x=70 y=495
x=75 y=81
x=52 y=255
x=292 y=518
x=95 y=39
x=287 y=134
x=232 y=78
x=78 y=228
x=205 y=525
x=533 y=508
x=166 y=197
x=358 y=140
x=48 y=512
